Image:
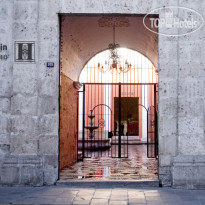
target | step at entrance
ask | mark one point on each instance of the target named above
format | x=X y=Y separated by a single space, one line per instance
x=110 y=184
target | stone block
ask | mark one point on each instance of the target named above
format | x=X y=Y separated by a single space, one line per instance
x=189 y=49
x=190 y=68
x=25 y=70
x=191 y=88
x=51 y=161
x=5 y=87
x=167 y=89
x=5 y=124
x=23 y=144
x=197 y=5
x=4 y=105
x=47 y=105
x=168 y=49
x=48 y=10
x=190 y=107
x=165 y=160
x=168 y=107
x=48 y=144
x=6 y=68
x=23 y=105
x=26 y=11
x=9 y=175
x=48 y=30
x=165 y=180
x=48 y=124
x=30 y=159
x=25 y=31
x=23 y=124
x=50 y=176
x=48 y=87
x=190 y=125
x=188 y=172
x=32 y=175
x=4 y=11
x=192 y=144
x=165 y=176
x=4 y=138
x=167 y=125
x=24 y=85
x=4 y=149
x=167 y=69
x=168 y=145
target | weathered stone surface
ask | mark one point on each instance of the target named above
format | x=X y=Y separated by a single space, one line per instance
x=191 y=125
x=5 y=87
x=188 y=172
x=26 y=11
x=23 y=124
x=51 y=161
x=25 y=30
x=31 y=175
x=168 y=145
x=24 y=85
x=47 y=124
x=23 y=144
x=48 y=144
x=4 y=105
x=5 y=124
x=165 y=160
x=165 y=176
x=47 y=105
x=50 y=175
x=192 y=144
x=9 y=175
x=24 y=105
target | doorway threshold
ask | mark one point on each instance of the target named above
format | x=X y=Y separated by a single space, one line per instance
x=109 y=183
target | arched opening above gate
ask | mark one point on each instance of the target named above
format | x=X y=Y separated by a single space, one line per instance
x=98 y=70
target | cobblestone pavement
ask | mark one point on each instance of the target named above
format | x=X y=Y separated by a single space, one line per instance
x=111 y=196
x=136 y=167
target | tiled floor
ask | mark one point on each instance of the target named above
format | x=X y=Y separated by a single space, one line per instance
x=136 y=167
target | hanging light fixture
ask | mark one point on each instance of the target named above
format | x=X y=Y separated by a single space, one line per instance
x=115 y=62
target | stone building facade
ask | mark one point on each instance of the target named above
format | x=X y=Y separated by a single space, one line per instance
x=29 y=89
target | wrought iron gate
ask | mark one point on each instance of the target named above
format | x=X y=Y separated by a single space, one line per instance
x=108 y=114
x=152 y=133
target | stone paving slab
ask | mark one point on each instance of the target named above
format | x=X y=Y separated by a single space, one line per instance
x=63 y=195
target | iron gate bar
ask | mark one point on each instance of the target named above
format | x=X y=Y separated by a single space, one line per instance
x=119 y=119
x=83 y=141
x=155 y=103
x=155 y=134
x=78 y=124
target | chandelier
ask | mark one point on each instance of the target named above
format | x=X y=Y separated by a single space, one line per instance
x=115 y=61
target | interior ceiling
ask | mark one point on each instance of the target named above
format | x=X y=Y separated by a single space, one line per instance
x=82 y=37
